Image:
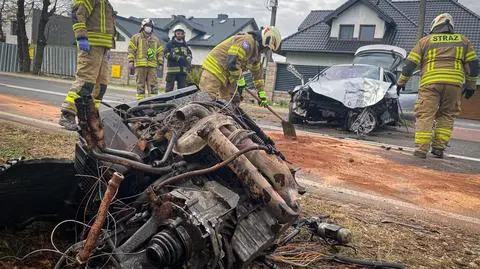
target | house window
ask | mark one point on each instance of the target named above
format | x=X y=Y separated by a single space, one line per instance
x=13 y=27
x=367 y=32
x=346 y=32
x=119 y=37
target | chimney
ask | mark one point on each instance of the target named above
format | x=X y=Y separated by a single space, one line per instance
x=222 y=16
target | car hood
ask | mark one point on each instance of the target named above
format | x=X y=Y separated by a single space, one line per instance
x=354 y=92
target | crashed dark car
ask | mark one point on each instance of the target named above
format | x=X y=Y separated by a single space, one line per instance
x=361 y=96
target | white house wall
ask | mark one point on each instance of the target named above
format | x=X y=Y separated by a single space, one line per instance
x=199 y=54
x=318 y=59
x=12 y=39
x=356 y=15
x=122 y=45
x=247 y=28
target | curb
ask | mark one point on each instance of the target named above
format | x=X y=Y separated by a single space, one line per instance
x=60 y=80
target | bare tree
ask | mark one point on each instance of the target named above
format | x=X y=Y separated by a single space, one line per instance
x=22 y=38
x=41 y=38
x=421 y=19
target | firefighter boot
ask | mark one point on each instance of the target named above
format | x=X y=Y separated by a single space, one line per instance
x=421 y=150
x=67 y=120
x=438 y=153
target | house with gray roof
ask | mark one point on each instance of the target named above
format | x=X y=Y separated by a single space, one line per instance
x=329 y=37
x=203 y=34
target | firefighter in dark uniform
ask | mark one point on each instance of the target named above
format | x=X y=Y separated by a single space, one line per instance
x=449 y=67
x=179 y=58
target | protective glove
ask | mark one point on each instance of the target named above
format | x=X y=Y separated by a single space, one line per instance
x=468 y=93
x=131 y=68
x=263 y=98
x=83 y=45
x=182 y=61
x=241 y=84
x=400 y=87
x=189 y=59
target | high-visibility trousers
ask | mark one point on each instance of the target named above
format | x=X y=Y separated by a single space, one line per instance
x=436 y=109
x=146 y=78
x=92 y=68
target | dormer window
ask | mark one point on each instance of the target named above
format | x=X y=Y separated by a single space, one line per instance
x=367 y=32
x=346 y=32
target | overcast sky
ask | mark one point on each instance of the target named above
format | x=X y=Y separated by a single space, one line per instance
x=290 y=12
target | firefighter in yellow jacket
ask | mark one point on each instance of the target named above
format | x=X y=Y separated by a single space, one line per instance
x=223 y=68
x=145 y=54
x=94 y=29
x=449 y=68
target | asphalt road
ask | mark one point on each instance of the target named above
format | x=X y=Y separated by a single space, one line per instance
x=466 y=140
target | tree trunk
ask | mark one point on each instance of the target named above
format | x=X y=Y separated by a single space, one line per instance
x=2 y=9
x=421 y=19
x=22 y=38
x=41 y=38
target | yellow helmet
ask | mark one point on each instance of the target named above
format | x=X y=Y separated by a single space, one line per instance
x=271 y=38
x=442 y=19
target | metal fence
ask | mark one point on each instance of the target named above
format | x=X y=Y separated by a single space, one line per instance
x=8 y=58
x=59 y=61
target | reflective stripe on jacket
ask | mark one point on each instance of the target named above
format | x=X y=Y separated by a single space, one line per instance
x=245 y=49
x=94 y=20
x=145 y=50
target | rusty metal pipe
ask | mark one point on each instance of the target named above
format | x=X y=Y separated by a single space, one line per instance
x=133 y=164
x=271 y=166
x=192 y=110
x=94 y=233
x=246 y=171
x=160 y=183
x=132 y=110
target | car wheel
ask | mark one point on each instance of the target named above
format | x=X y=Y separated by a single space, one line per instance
x=363 y=122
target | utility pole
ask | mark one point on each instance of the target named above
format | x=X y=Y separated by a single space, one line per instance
x=273 y=4
x=421 y=19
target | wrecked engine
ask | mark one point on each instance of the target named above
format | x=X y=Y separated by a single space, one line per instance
x=179 y=181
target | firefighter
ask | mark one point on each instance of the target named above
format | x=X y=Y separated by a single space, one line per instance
x=223 y=68
x=448 y=62
x=145 y=54
x=179 y=58
x=94 y=29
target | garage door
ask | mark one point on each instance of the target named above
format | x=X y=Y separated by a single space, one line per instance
x=286 y=80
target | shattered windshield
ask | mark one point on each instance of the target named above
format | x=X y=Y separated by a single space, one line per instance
x=349 y=71
x=385 y=60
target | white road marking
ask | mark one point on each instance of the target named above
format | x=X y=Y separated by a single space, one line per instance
x=48 y=92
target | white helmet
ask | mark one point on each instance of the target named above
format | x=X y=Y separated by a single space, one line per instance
x=147 y=22
x=271 y=38
x=442 y=19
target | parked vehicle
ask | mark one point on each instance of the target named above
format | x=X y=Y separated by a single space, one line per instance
x=362 y=96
